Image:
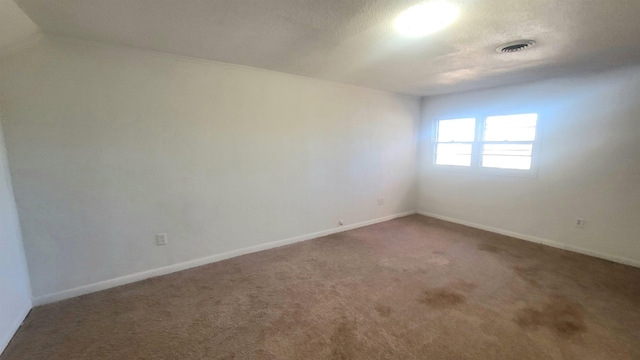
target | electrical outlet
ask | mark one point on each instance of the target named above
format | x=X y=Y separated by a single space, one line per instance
x=579 y=223
x=161 y=239
x=381 y=201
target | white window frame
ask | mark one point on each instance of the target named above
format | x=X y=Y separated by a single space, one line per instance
x=476 y=148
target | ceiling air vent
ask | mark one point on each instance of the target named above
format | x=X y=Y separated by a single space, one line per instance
x=515 y=46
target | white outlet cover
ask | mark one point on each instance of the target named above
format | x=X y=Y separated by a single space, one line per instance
x=161 y=239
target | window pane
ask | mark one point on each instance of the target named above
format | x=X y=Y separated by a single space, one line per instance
x=507 y=162
x=460 y=130
x=453 y=154
x=520 y=127
x=507 y=156
x=507 y=149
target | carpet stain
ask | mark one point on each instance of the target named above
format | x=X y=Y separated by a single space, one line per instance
x=441 y=298
x=383 y=310
x=438 y=260
x=528 y=274
x=343 y=340
x=464 y=285
x=560 y=315
x=489 y=248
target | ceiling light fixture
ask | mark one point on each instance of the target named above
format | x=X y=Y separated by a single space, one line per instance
x=426 y=18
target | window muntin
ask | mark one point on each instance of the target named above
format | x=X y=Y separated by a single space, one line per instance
x=499 y=142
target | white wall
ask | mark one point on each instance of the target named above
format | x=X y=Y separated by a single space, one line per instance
x=15 y=25
x=109 y=146
x=589 y=165
x=15 y=291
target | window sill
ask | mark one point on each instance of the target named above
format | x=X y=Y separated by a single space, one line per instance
x=531 y=173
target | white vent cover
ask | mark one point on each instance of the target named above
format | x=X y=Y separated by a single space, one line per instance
x=515 y=46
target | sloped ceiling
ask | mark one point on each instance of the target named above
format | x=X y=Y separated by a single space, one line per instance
x=15 y=26
x=354 y=41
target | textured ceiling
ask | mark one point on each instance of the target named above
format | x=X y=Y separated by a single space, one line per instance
x=354 y=41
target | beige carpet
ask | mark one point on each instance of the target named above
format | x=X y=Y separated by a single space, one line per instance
x=411 y=288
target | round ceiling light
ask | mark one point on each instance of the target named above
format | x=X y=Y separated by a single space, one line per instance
x=426 y=18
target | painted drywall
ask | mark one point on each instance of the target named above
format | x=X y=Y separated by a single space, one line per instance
x=109 y=146
x=15 y=291
x=588 y=165
x=15 y=25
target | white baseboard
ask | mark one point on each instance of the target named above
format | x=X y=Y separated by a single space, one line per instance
x=21 y=315
x=127 y=279
x=555 y=244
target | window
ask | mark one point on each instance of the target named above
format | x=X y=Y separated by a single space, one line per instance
x=454 y=141
x=498 y=142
